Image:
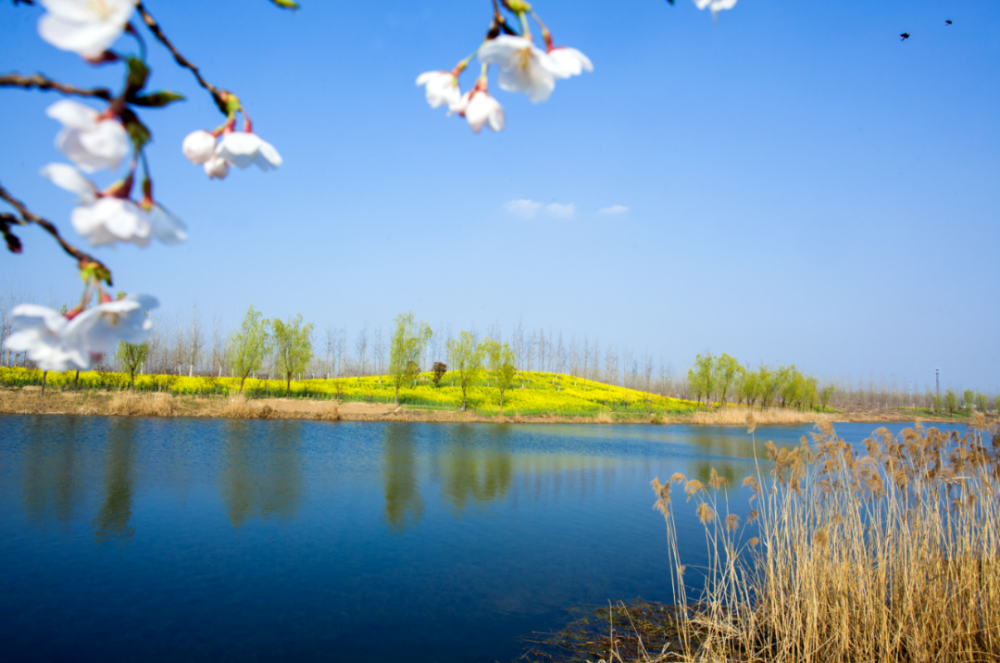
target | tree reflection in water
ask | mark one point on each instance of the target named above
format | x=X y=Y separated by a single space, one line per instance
x=474 y=468
x=112 y=520
x=52 y=483
x=261 y=473
x=403 y=503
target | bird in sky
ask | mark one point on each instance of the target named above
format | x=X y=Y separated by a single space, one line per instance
x=948 y=22
x=905 y=36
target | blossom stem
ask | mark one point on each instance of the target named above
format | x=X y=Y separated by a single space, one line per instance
x=43 y=83
x=546 y=35
x=218 y=95
x=525 y=28
x=28 y=217
x=129 y=28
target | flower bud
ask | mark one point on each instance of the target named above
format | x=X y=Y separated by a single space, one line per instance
x=216 y=168
x=199 y=146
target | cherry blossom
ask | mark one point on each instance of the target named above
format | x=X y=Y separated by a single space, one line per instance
x=479 y=109
x=165 y=227
x=199 y=146
x=569 y=61
x=69 y=178
x=87 y=27
x=38 y=332
x=242 y=148
x=216 y=168
x=715 y=5
x=91 y=141
x=101 y=328
x=441 y=88
x=111 y=220
x=523 y=66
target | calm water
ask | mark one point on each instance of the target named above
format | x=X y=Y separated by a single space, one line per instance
x=169 y=539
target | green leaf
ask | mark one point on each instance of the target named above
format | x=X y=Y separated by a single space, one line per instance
x=137 y=131
x=138 y=72
x=286 y=4
x=156 y=99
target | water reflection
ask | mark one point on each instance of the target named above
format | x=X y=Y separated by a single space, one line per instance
x=261 y=473
x=112 y=521
x=52 y=483
x=403 y=503
x=474 y=470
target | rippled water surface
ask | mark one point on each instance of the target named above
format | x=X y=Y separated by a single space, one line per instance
x=176 y=539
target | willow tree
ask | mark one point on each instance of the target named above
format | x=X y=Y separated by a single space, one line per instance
x=499 y=364
x=408 y=342
x=250 y=345
x=466 y=362
x=292 y=348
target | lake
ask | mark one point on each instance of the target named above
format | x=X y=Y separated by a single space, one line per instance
x=198 y=539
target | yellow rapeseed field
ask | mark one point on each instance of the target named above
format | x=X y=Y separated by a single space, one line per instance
x=531 y=393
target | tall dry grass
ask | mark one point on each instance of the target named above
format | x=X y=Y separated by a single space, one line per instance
x=737 y=416
x=893 y=556
x=132 y=404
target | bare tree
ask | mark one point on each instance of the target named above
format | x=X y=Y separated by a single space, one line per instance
x=361 y=345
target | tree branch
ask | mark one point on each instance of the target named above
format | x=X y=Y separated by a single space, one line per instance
x=28 y=217
x=44 y=83
x=220 y=96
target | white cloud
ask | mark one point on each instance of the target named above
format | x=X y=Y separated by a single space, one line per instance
x=614 y=210
x=526 y=209
x=529 y=209
x=560 y=211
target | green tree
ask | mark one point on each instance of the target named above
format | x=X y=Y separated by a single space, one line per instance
x=466 y=361
x=783 y=382
x=250 y=345
x=131 y=358
x=408 y=342
x=811 y=392
x=996 y=403
x=292 y=348
x=951 y=401
x=826 y=394
x=701 y=378
x=982 y=402
x=767 y=385
x=726 y=370
x=500 y=364
x=968 y=400
x=747 y=386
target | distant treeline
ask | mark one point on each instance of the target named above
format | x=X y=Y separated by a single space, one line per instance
x=190 y=346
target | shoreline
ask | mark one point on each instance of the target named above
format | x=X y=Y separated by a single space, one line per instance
x=30 y=401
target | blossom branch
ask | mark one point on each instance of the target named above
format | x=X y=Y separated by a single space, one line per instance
x=85 y=259
x=220 y=96
x=43 y=83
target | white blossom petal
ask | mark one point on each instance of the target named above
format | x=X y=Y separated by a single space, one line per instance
x=111 y=220
x=165 y=226
x=38 y=332
x=441 y=88
x=102 y=327
x=72 y=114
x=523 y=66
x=87 y=27
x=241 y=149
x=569 y=61
x=69 y=178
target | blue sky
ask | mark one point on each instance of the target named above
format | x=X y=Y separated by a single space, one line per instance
x=802 y=187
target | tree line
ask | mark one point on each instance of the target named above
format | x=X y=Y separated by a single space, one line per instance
x=190 y=345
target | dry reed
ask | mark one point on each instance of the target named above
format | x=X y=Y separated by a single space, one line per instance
x=889 y=557
x=131 y=404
